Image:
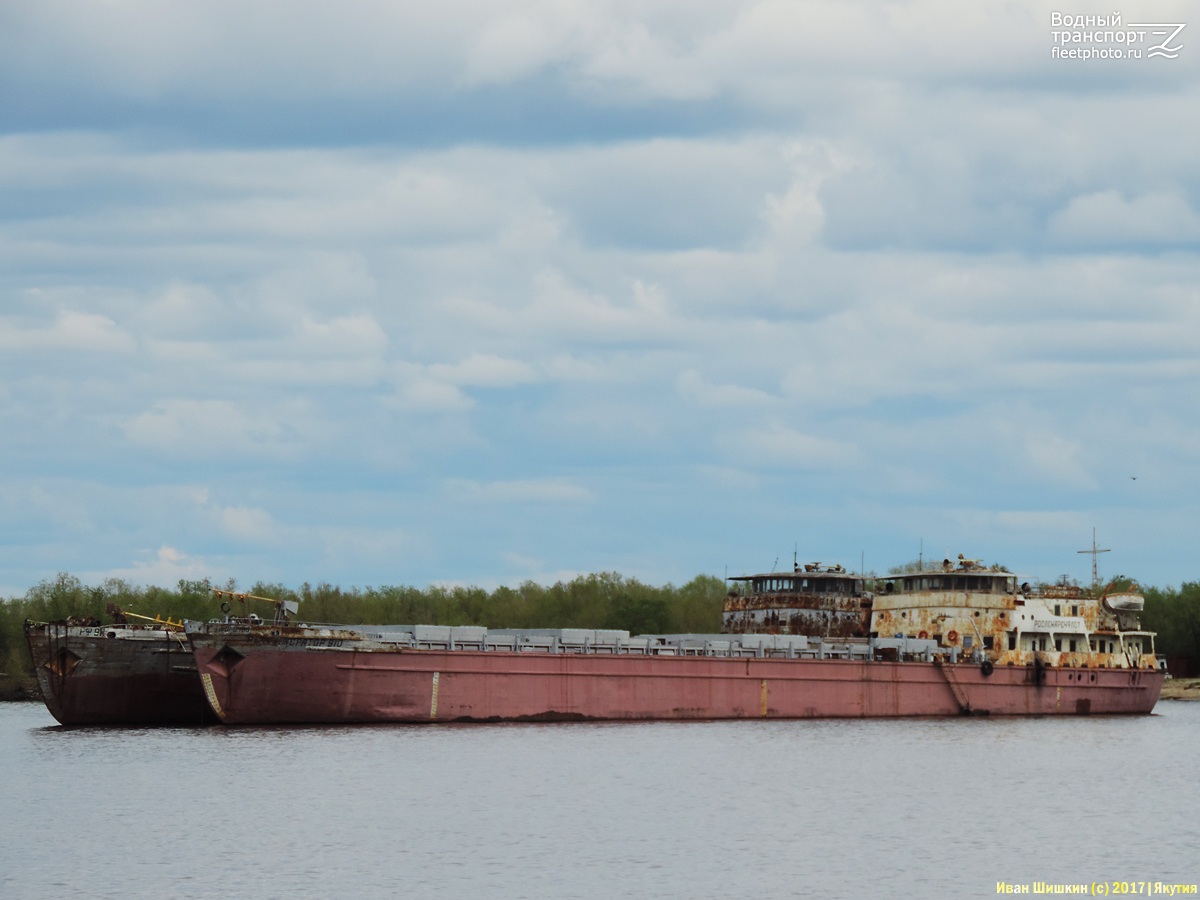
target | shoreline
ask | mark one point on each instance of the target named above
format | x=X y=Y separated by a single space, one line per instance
x=1180 y=689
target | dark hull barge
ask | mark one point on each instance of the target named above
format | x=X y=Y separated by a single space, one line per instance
x=117 y=674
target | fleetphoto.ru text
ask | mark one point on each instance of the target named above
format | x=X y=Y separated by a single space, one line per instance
x=1094 y=37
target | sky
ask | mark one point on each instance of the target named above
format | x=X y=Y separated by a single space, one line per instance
x=383 y=293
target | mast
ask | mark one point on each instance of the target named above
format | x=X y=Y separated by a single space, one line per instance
x=1095 y=551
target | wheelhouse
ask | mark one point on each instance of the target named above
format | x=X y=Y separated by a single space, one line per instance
x=802 y=583
x=982 y=582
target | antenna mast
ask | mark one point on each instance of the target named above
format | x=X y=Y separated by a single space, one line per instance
x=1095 y=551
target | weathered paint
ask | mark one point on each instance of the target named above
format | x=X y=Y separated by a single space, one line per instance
x=956 y=641
x=984 y=612
x=816 y=600
x=278 y=679
x=116 y=675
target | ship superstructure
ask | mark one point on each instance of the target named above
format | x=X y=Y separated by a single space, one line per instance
x=987 y=614
x=814 y=599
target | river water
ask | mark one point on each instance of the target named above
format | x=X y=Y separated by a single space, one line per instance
x=881 y=808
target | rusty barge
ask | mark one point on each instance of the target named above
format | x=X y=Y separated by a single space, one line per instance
x=958 y=640
x=119 y=674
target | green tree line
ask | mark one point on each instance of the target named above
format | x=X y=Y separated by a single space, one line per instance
x=1175 y=616
x=605 y=600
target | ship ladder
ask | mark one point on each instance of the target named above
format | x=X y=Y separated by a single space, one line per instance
x=960 y=696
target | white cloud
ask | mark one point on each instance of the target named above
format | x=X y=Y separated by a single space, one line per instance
x=519 y=39
x=182 y=312
x=564 y=310
x=566 y=367
x=378 y=547
x=540 y=490
x=692 y=385
x=1107 y=219
x=164 y=567
x=427 y=395
x=215 y=428
x=248 y=524
x=1055 y=458
x=485 y=370
x=780 y=445
x=376 y=256
x=72 y=330
x=358 y=335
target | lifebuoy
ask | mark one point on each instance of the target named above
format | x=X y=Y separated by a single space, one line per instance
x=987 y=668
x=952 y=637
x=924 y=635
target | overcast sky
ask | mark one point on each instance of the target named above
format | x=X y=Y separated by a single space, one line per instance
x=474 y=292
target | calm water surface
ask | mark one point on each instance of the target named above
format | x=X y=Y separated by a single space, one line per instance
x=921 y=808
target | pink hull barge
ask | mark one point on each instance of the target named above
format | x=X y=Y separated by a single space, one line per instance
x=961 y=639
x=321 y=675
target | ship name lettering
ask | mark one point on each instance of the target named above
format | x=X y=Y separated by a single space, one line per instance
x=311 y=642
